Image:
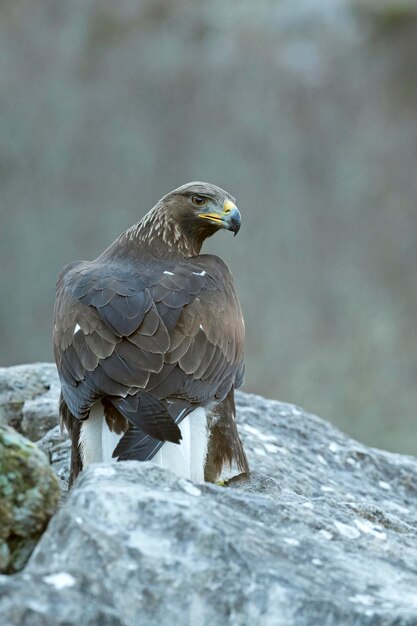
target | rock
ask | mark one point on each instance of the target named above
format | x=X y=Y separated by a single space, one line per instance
x=29 y=398
x=29 y=495
x=40 y=415
x=57 y=446
x=323 y=533
x=308 y=456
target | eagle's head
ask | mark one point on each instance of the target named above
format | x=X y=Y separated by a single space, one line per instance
x=186 y=216
x=202 y=206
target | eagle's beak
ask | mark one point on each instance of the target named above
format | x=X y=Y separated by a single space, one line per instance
x=229 y=218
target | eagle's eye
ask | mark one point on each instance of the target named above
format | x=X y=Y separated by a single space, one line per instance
x=199 y=200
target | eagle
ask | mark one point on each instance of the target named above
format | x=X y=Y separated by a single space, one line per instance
x=148 y=342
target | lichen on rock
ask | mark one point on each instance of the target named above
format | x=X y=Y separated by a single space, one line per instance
x=29 y=495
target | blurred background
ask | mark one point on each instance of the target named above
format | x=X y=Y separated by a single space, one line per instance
x=305 y=111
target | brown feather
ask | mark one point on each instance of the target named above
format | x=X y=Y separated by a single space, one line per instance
x=73 y=426
x=225 y=445
x=115 y=421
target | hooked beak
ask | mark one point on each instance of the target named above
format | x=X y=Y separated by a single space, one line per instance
x=229 y=218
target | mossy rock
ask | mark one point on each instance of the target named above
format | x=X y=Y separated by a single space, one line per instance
x=29 y=495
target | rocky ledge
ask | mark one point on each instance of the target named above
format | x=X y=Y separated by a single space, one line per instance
x=323 y=533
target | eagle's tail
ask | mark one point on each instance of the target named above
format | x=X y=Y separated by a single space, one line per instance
x=185 y=459
x=100 y=440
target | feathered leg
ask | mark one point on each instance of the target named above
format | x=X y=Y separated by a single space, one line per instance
x=224 y=445
x=73 y=426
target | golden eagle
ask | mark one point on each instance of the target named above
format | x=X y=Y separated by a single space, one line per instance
x=148 y=341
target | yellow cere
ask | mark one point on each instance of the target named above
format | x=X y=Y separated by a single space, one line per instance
x=228 y=206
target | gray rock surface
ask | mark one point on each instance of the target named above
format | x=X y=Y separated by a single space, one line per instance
x=39 y=415
x=323 y=534
x=29 y=495
x=29 y=398
x=57 y=446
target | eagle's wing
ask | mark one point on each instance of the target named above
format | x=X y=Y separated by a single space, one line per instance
x=155 y=340
x=104 y=313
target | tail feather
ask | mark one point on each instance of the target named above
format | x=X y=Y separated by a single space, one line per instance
x=149 y=415
x=135 y=445
x=184 y=459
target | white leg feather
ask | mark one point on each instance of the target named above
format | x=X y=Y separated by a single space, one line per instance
x=188 y=458
x=198 y=444
x=109 y=441
x=90 y=436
